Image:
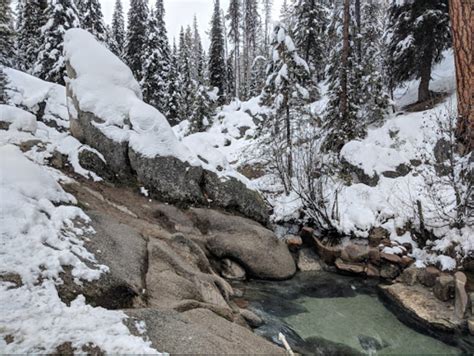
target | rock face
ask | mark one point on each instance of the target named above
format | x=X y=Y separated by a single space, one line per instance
x=201 y=332
x=444 y=288
x=461 y=301
x=137 y=142
x=423 y=306
x=231 y=270
x=255 y=248
x=164 y=269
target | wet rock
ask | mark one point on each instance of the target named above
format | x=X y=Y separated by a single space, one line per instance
x=356 y=268
x=461 y=300
x=374 y=255
x=372 y=271
x=408 y=246
x=391 y=257
x=428 y=276
x=328 y=254
x=376 y=235
x=406 y=261
x=444 y=287
x=355 y=253
x=251 y=318
x=389 y=271
x=471 y=298
x=294 y=242
x=308 y=260
x=410 y=276
x=232 y=270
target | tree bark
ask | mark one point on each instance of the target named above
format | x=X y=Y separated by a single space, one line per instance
x=289 y=142
x=424 y=88
x=343 y=106
x=462 y=24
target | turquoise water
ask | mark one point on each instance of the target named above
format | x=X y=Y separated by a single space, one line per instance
x=329 y=314
x=364 y=324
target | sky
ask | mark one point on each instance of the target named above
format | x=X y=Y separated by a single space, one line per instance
x=181 y=13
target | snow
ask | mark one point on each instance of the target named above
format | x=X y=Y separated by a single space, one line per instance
x=19 y=119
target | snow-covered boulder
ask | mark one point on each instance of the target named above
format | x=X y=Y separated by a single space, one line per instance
x=13 y=118
x=107 y=112
x=47 y=101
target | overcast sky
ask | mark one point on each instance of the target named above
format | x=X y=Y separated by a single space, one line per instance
x=181 y=12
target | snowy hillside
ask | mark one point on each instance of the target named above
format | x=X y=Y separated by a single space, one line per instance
x=386 y=198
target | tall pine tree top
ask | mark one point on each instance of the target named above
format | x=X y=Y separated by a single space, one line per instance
x=287 y=72
x=217 y=65
x=7 y=34
x=137 y=36
x=92 y=18
x=118 y=28
x=62 y=15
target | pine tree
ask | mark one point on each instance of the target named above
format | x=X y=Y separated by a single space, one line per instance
x=286 y=15
x=310 y=17
x=285 y=89
x=118 y=35
x=7 y=34
x=341 y=116
x=174 y=90
x=258 y=75
x=198 y=54
x=29 y=33
x=187 y=84
x=3 y=85
x=154 y=86
x=234 y=16
x=136 y=37
x=163 y=38
x=374 y=97
x=230 y=82
x=250 y=28
x=217 y=66
x=201 y=112
x=267 y=11
x=92 y=19
x=61 y=16
x=417 y=35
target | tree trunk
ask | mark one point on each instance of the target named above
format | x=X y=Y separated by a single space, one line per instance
x=289 y=142
x=358 y=26
x=424 y=88
x=343 y=106
x=462 y=23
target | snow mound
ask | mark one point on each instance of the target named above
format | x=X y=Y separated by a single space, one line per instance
x=19 y=119
x=30 y=93
x=103 y=85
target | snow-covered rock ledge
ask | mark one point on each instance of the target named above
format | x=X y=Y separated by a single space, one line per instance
x=107 y=112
